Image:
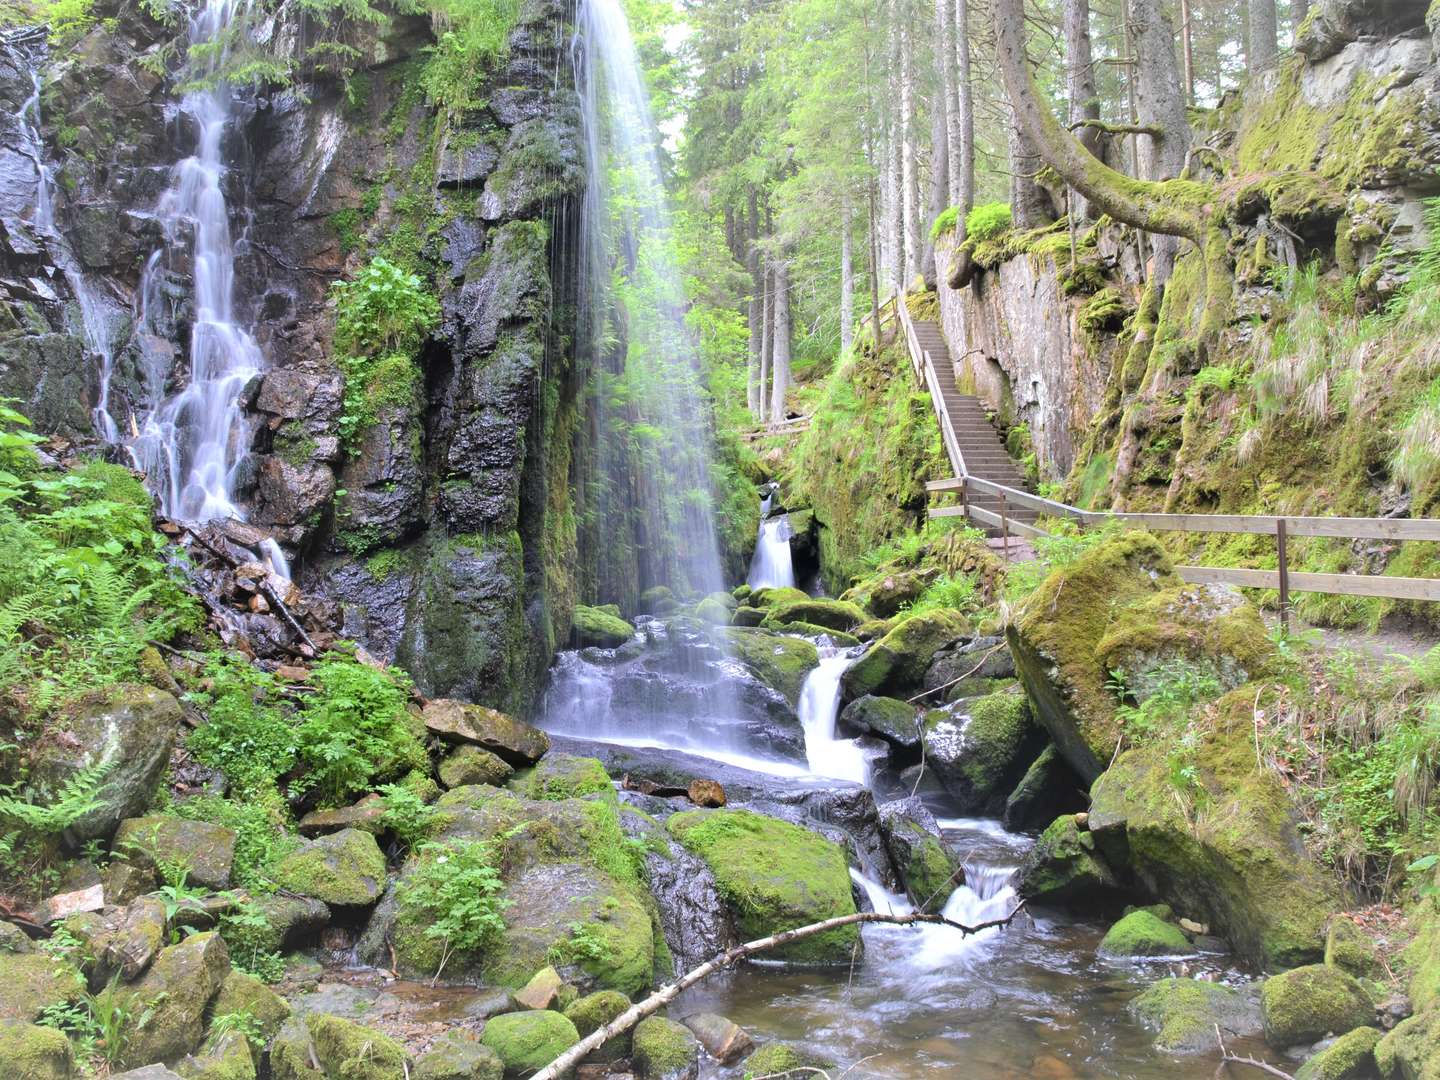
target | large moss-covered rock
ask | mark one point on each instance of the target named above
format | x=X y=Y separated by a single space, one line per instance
x=594 y=626
x=830 y=614
x=31 y=1052
x=225 y=1057
x=206 y=851
x=886 y=718
x=514 y=740
x=527 y=1041
x=458 y=1055
x=981 y=748
x=342 y=1050
x=242 y=993
x=592 y=1012
x=778 y=1059
x=1307 y=1003
x=1065 y=867
x=929 y=870
x=1412 y=1050
x=664 y=1050
x=773 y=596
x=1348 y=948
x=1239 y=866
x=885 y=592
x=173 y=997
x=1350 y=1057
x=895 y=665
x=31 y=980
x=1185 y=1012
x=1048 y=789
x=564 y=776
x=780 y=662
x=344 y=869
x=774 y=876
x=468 y=764
x=1142 y=933
x=129 y=729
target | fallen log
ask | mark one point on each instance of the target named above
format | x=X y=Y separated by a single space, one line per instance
x=662 y=997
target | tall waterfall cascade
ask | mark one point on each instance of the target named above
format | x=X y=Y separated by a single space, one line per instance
x=650 y=404
x=190 y=440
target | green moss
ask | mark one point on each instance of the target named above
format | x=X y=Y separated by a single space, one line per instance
x=1185 y=1013
x=898 y=661
x=355 y=1052
x=663 y=1049
x=528 y=1041
x=594 y=626
x=829 y=614
x=778 y=1059
x=1348 y=948
x=35 y=1053
x=775 y=876
x=1412 y=1048
x=712 y=612
x=1064 y=866
x=1350 y=1057
x=776 y=595
x=346 y=868
x=1304 y=1004
x=241 y=993
x=1142 y=934
x=593 y=1011
x=34 y=980
x=780 y=662
x=563 y=776
x=1001 y=730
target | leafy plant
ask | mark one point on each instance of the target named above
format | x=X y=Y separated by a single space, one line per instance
x=79 y=795
x=454 y=891
x=406 y=814
x=242 y=1022
x=248 y=934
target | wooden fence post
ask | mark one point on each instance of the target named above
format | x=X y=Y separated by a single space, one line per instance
x=1004 y=530
x=1284 y=575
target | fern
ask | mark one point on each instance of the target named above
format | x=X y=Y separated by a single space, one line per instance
x=79 y=795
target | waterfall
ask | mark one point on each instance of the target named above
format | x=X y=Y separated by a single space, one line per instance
x=840 y=759
x=653 y=436
x=191 y=441
x=771 y=566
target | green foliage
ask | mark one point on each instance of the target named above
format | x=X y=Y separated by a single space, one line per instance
x=946 y=222
x=987 y=221
x=78 y=796
x=249 y=736
x=247 y=934
x=955 y=592
x=475 y=40
x=1178 y=685
x=1220 y=378
x=259 y=817
x=407 y=815
x=454 y=892
x=1064 y=545
x=355 y=730
x=99 y=1026
x=381 y=319
x=244 y=1023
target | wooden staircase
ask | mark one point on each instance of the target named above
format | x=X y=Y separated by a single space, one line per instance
x=971 y=440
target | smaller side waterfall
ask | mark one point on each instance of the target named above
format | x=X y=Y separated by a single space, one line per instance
x=840 y=759
x=771 y=566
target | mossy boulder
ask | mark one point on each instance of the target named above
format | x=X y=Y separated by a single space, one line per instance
x=1350 y=1057
x=344 y=869
x=242 y=993
x=1412 y=1050
x=592 y=1012
x=31 y=980
x=929 y=870
x=774 y=595
x=591 y=626
x=130 y=728
x=528 y=1041
x=564 y=776
x=1240 y=865
x=774 y=876
x=1347 y=948
x=712 y=612
x=885 y=593
x=664 y=1050
x=1141 y=933
x=657 y=600
x=830 y=614
x=458 y=1055
x=778 y=661
x=1185 y=1012
x=173 y=997
x=891 y=719
x=342 y=1050
x=458 y=721
x=1048 y=789
x=1056 y=643
x=895 y=665
x=207 y=851
x=980 y=749
x=289 y=921
x=777 y=1059
x=31 y=1052
x=468 y=764
x=1064 y=867
x=225 y=1057
x=1308 y=1003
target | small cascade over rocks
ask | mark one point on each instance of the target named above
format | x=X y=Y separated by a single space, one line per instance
x=842 y=759
x=772 y=565
x=191 y=441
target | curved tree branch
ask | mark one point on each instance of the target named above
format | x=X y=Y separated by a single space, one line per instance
x=666 y=994
x=1171 y=207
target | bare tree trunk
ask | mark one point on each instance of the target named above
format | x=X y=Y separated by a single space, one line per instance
x=1084 y=98
x=1161 y=105
x=780 y=362
x=964 y=154
x=1029 y=202
x=1187 y=49
x=945 y=86
x=1262 y=34
x=767 y=335
x=874 y=247
x=895 y=164
x=939 y=185
x=754 y=391
x=909 y=163
x=847 y=279
x=1298 y=10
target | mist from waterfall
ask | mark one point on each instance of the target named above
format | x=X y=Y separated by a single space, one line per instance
x=649 y=405
x=190 y=441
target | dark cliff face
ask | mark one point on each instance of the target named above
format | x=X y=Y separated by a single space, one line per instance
x=445 y=527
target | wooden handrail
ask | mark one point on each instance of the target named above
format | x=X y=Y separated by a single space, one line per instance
x=1280 y=526
x=924 y=366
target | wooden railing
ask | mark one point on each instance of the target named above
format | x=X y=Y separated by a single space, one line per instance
x=1281 y=527
x=924 y=366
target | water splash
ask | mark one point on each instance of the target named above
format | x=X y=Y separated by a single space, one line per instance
x=653 y=491
x=840 y=759
x=190 y=442
x=771 y=567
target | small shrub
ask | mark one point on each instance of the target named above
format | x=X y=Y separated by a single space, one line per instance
x=946 y=222
x=454 y=892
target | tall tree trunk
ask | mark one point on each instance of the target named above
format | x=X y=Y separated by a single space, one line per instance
x=909 y=162
x=964 y=154
x=1187 y=49
x=754 y=389
x=945 y=87
x=1080 y=89
x=780 y=364
x=1161 y=105
x=1029 y=202
x=894 y=162
x=874 y=247
x=847 y=279
x=1262 y=35
x=939 y=187
x=1298 y=10
x=767 y=335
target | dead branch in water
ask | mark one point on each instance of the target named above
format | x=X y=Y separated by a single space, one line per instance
x=662 y=997
x=1227 y=1058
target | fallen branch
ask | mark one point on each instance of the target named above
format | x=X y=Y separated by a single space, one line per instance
x=271 y=596
x=666 y=994
x=1227 y=1058
x=1119 y=129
